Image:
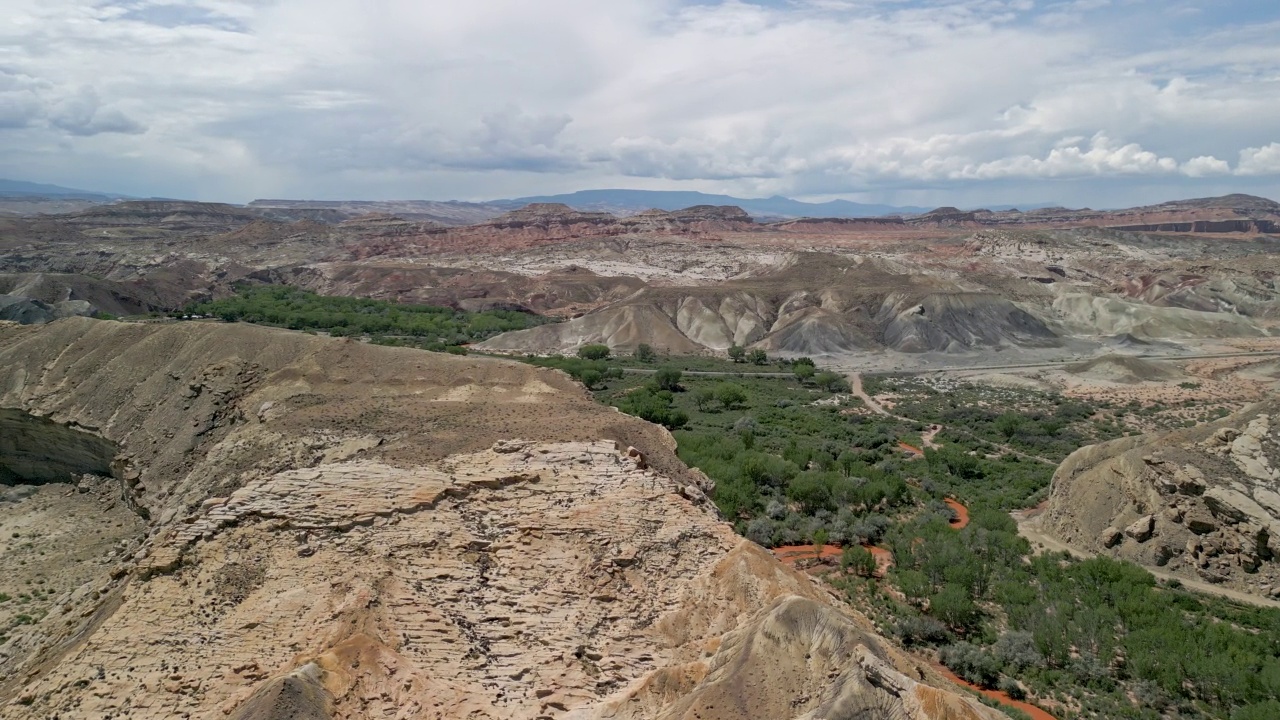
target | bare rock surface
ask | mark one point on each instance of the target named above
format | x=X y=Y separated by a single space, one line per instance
x=345 y=531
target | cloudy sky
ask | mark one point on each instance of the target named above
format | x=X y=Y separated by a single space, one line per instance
x=967 y=102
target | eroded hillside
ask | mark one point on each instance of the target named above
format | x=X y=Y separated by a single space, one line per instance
x=335 y=530
x=1201 y=503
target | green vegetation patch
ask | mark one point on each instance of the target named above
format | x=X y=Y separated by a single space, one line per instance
x=426 y=326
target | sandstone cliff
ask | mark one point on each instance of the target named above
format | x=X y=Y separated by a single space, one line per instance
x=336 y=530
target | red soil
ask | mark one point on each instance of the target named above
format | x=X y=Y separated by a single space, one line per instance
x=911 y=449
x=792 y=554
x=962 y=514
x=1035 y=712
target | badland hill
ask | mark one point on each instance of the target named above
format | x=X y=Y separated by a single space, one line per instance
x=273 y=525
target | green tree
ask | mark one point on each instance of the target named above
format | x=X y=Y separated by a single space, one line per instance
x=829 y=381
x=820 y=538
x=1008 y=424
x=804 y=373
x=703 y=398
x=594 y=352
x=812 y=491
x=858 y=560
x=737 y=353
x=758 y=357
x=591 y=378
x=668 y=379
x=731 y=396
x=645 y=353
x=953 y=606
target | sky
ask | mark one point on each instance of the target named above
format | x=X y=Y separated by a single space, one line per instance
x=1098 y=103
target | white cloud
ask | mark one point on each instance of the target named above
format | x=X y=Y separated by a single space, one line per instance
x=1100 y=157
x=1260 y=160
x=470 y=99
x=1204 y=166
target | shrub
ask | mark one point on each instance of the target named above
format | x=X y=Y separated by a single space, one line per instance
x=870 y=529
x=1267 y=710
x=731 y=396
x=812 y=491
x=655 y=406
x=668 y=379
x=1017 y=651
x=1012 y=688
x=758 y=357
x=760 y=530
x=594 y=352
x=703 y=398
x=971 y=663
x=804 y=373
x=645 y=354
x=737 y=353
x=591 y=378
x=921 y=630
x=858 y=560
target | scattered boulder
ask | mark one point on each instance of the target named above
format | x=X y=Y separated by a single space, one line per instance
x=1201 y=523
x=1142 y=528
x=1110 y=537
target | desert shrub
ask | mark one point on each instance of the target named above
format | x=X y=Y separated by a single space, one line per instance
x=645 y=354
x=1017 y=651
x=971 y=663
x=921 y=630
x=869 y=529
x=760 y=530
x=1012 y=688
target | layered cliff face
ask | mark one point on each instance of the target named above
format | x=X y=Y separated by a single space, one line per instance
x=339 y=530
x=1202 y=503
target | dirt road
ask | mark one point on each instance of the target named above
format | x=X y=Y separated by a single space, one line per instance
x=855 y=385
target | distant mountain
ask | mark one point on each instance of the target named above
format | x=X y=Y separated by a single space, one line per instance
x=21 y=188
x=628 y=202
